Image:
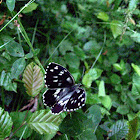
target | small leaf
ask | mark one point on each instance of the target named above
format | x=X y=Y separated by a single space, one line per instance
x=136 y=37
x=14 y=49
x=117 y=66
x=115 y=79
x=17 y=68
x=118 y=130
x=132 y=4
x=79 y=52
x=116 y=28
x=44 y=122
x=30 y=8
x=101 y=92
x=65 y=46
x=103 y=16
x=136 y=68
x=10 y=4
x=92 y=75
x=123 y=109
x=106 y=101
x=6 y=82
x=33 y=79
x=5 y=124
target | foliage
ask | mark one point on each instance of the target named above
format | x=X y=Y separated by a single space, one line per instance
x=98 y=41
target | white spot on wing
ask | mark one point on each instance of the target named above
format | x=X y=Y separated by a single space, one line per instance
x=55 y=80
x=80 y=96
x=68 y=79
x=52 y=70
x=56 y=67
x=82 y=99
x=78 y=104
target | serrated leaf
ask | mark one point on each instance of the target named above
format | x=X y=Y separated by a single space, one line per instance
x=18 y=119
x=14 y=49
x=17 y=68
x=33 y=79
x=5 y=124
x=10 y=4
x=44 y=122
x=30 y=8
x=118 y=130
x=133 y=128
x=6 y=82
x=116 y=28
x=92 y=75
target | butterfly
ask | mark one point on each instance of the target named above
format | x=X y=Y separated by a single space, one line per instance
x=62 y=94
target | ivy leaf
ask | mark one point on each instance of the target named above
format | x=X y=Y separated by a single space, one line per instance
x=17 y=68
x=116 y=28
x=44 y=122
x=5 y=124
x=33 y=79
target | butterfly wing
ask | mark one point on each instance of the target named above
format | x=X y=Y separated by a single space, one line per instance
x=76 y=101
x=57 y=76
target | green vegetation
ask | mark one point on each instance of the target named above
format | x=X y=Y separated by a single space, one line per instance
x=97 y=41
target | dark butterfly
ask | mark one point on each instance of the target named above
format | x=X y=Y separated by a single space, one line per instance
x=62 y=94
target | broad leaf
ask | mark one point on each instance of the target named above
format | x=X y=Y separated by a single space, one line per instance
x=33 y=79
x=123 y=109
x=45 y=122
x=10 y=4
x=118 y=130
x=5 y=124
x=103 y=16
x=14 y=49
x=116 y=28
x=17 y=68
x=6 y=81
x=92 y=75
x=136 y=68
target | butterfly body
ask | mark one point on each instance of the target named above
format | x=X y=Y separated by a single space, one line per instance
x=62 y=94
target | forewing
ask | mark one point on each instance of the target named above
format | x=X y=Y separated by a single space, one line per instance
x=57 y=76
x=76 y=101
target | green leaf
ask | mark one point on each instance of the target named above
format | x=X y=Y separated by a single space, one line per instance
x=136 y=37
x=132 y=4
x=65 y=46
x=6 y=82
x=5 y=124
x=18 y=119
x=118 y=130
x=115 y=79
x=123 y=109
x=14 y=49
x=103 y=16
x=88 y=135
x=106 y=101
x=70 y=58
x=74 y=124
x=79 y=52
x=133 y=128
x=136 y=68
x=92 y=75
x=33 y=79
x=101 y=92
x=136 y=84
x=17 y=68
x=30 y=8
x=10 y=4
x=116 y=28
x=94 y=113
x=117 y=66
x=43 y=122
